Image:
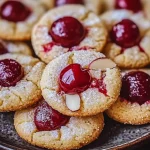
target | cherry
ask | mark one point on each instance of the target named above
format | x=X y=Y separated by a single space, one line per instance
x=125 y=34
x=67 y=31
x=3 y=50
x=73 y=79
x=14 y=11
x=47 y=119
x=133 y=5
x=63 y=2
x=136 y=87
x=10 y=72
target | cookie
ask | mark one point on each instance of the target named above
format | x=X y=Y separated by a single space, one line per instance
x=108 y=5
x=47 y=3
x=14 y=47
x=133 y=105
x=20 y=77
x=146 y=8
x=39 y=127
x=18 y=22
x=92 y=5
x=128 y=44
x=81 y=83
x=81 y=29
x=136 y=6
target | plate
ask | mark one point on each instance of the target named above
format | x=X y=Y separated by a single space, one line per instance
x=114 y=135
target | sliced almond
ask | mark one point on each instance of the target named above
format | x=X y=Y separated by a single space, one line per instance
x=102 y=64
x=73 y=102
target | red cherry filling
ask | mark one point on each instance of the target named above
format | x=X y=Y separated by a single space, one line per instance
x=48 y=47
x=100 y=85
x=47 y=119
x=133 y=5
x=10 y=72
x=14 y=11
x=63 y=2
x=125 y=34
x=67 y=31
x=73 y=79
x=3 y=50
x=136 y=87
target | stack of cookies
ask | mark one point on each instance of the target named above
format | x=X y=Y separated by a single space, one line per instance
x=87 y=58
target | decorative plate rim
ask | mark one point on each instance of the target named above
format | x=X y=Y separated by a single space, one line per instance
x=7 y=146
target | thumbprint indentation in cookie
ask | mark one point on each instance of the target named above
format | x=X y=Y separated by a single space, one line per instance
x=67 y=31
x=47 y=119
x=14 y=11
x=11 y=72
x=135 y=87
x=133 y=5
x=125 y=34
x=74 y=79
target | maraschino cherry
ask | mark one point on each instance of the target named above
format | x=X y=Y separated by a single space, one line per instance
x=3 y=50
x=47 y=119
x=14 y=11
x=10 y=72
x=63 y=2
x=74 y=79
x=136 y=87
x=133 y=5
x=67 y=31
x=125 y=34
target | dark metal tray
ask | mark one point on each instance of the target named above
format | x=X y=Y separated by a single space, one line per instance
x=114 y=135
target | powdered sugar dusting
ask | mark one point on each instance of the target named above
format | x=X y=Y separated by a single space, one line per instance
x=97 y=74
x=92 y=97
x=51 y=95
x=67 y=133
x=27 y=127
x=133 y=53
x=84 y=58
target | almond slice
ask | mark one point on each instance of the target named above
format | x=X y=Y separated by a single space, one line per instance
x=102 y=64
x=73 y=102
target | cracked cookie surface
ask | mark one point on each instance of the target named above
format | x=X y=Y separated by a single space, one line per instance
x=77 y=133
x=15 y=47
x=126 y=112
x=93 y=5
x=95 y=38
x=136 y=56
x=26 y=91
x=21 y=30
x=92 y=100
